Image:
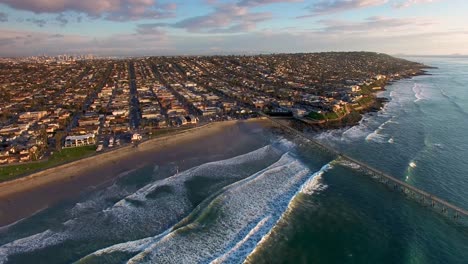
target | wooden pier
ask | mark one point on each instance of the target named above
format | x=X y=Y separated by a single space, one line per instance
x=424 y=198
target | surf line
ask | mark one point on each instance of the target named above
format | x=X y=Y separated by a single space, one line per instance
x=141 y=245
x=194 y=216
x=305 y=188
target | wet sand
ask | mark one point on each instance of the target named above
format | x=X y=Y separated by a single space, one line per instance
x=25 y=196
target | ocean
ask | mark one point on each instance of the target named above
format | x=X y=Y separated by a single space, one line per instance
x=282 y=201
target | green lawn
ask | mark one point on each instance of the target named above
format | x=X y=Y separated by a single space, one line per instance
x=66 y=155
x=367 y=89
x=331 y=115
x=366 y=100
x=316 y=116
x=165 y=131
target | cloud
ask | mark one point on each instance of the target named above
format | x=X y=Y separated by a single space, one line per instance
x=150 y=29
x=433 y=42
x=373 y=24
x=57 y=36
x=6 y=41
x=169 y=6
x=3 y=17
x=38 y=22
x=29 y=43
x=62 y=20
x=19 y=43
x=265 y=2
x=234 y=17
x=408 y=3
x=116 y=10
x=335 y=6
x=226 y=18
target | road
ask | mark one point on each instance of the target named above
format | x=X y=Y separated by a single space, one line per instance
x=135 y=112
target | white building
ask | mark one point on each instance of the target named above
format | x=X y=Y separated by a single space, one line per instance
x=78 y=141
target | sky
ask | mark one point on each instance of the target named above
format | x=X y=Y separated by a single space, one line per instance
x=206 y=27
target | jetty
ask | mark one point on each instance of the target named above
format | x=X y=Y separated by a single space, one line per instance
x=424 y=198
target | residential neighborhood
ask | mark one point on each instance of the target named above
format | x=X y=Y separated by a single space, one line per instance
x=51 y=103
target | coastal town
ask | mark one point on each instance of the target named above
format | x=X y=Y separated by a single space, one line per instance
x=50 y=104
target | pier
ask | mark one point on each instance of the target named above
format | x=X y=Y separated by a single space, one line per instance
x=424 y=198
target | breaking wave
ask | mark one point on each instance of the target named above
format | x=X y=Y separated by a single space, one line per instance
x=313 y=184
x=418 y=92
x=148 y=211
x=231 y=224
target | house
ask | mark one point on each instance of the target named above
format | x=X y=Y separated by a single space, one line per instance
x=191 y=119
x=78 y=141
x=13 y=159
x=355 y=88
x=25 y=157
x=161 y=123
x=4 y=157
x=380 y=77
x=32 y=115
x=297 y=112
x=259 y=104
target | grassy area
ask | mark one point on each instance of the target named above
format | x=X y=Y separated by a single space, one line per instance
x=165 y=131
x=66 y=155
x=316 y=116
x=331 y=115
x=10 y=172
x=328 y=116
x=366 y=101
x=367 y=89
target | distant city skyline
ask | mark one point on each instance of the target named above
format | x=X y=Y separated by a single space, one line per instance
x=207 y=27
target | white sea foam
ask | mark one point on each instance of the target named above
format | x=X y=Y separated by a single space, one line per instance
x=418 y=92
x=313 y=184
x=438 y=145
x=129 y=247
x=356 y=132
x=244 y=240
x=348 y=164
x=376 y=137
x=137 y=213
x=37 y=241
x=240 y=217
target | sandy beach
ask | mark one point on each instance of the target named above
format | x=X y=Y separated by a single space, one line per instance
x=25 y=196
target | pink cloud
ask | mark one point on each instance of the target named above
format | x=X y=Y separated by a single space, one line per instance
x=265 y=2
x=225 y=18
x=408 y=3
x=327 y=7
x=119 y=10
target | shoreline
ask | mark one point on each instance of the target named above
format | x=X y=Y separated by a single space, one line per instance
x=97 y=170
x=353 y=117
x=22 y=197
x=66 y=165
